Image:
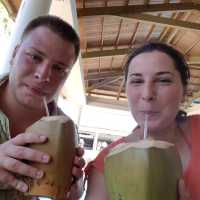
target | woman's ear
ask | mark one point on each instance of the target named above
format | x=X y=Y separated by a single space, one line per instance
x=13 y=55
x=184 y=95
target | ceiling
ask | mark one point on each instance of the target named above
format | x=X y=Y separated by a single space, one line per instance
x=109 y=29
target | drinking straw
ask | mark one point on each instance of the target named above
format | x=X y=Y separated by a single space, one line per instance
x=45 y=105
x=145 y=126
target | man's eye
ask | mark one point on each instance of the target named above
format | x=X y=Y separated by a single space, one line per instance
x=35 y=57
x=58 y=68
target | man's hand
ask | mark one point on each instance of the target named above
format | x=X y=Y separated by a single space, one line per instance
x=184 y=193
x=77 y=172
x=13 y=152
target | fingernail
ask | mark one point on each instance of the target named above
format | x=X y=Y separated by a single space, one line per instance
x=42 y=137
x=45 y=158
x=39 y=174
x=22 y=186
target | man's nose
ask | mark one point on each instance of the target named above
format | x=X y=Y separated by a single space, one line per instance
x=43 y=72
x=149 y=92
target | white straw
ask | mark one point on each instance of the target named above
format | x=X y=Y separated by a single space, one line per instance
x=45 y=105
x=145 y=126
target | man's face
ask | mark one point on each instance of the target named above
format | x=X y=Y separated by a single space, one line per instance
x=40 y=66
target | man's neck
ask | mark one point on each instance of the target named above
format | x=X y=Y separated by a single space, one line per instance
x=20 y=117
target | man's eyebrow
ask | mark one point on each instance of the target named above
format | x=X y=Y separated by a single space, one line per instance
x=43 y=54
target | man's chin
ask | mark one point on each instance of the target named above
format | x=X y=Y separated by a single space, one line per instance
x=32 y=104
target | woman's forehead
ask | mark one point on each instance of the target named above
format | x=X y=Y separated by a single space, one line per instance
x=154 y=60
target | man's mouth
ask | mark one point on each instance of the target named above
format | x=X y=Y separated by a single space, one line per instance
x=37 y=91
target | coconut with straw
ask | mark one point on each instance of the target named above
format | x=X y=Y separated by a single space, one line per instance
x=144 y=170
x=61 y=144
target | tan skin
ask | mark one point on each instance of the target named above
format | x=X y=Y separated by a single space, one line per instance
x=153 y=88
x=39 y=68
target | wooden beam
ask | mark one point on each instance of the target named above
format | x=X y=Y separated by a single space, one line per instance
x=134 y=34
x=192 y=46
x=104 y=82
x=119 y=10
x=115 y=52
x=167 y=28
x=120 y=89
x=104 y=53
x=105 y=70
x=179 y=24
x=194 y=60
x=104 y=75
x=173 y=35
x=118 y=33
x=10 y=7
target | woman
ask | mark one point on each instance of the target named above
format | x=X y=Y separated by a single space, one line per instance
x=156 y=78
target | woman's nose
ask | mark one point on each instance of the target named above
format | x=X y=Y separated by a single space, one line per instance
x=149 y=92
x=43 y=72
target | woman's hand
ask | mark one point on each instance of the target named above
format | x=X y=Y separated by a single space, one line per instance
x=11 y=154
x=184 y=193
x=77 y=186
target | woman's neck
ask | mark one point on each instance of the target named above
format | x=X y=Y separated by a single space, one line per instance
x=167 y=134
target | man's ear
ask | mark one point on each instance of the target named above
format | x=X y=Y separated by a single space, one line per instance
x=14 y=54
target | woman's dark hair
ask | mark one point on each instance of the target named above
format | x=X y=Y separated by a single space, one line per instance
x=58 y=26
x=179 y=60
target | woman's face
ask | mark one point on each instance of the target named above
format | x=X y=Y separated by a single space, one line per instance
x=154 y=89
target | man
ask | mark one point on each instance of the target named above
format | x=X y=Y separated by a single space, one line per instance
x=40 y=65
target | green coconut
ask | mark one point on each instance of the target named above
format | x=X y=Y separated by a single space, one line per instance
x=144 y=170
x=61 y=144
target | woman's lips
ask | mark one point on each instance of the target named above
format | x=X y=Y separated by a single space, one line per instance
x=150 y=113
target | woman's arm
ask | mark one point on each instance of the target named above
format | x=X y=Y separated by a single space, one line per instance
x=96 y=189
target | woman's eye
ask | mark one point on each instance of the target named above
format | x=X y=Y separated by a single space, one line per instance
x=165 y=80
x=136 y=81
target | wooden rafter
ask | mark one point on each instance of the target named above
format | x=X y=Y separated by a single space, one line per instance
x=118 y=33
x=131 y=9
x=106 y=3
x=166 y=29
x=194 y=60
x=105 y=70
x=120 y=89
x=102 y=83
x=151 y=29
x=175 y=33
x=102 y=27
x=108 y=95
x=96 y=76
x=192 y=46
x=132 y=40
x=83 y=3
x=127 y=2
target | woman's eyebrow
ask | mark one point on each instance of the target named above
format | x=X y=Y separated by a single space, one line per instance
x=165 y=73
x=135 y=74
